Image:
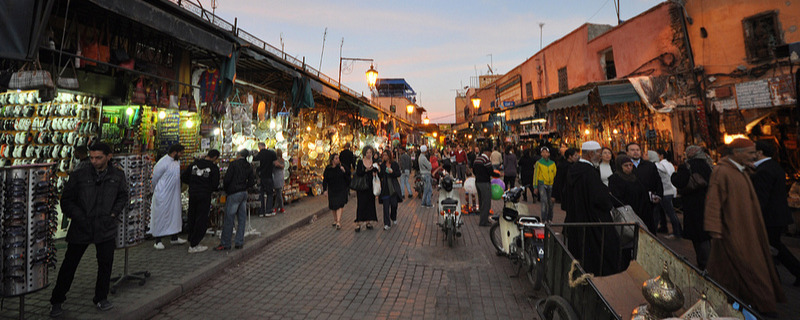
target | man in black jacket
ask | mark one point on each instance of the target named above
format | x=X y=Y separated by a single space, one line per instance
x=94 y=198
x=347 y=159
x=266 y=159
x=769 y=181
x=238 y=179
x=202 y=176
x=647 y=173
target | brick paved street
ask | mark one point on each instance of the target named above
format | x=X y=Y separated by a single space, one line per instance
x=174 y=271
x=407 y=272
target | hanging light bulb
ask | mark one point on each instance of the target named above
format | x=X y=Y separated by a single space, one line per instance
x=586 y=132
x=308 y=128
x=216 y=131
x=129 y=111
x=189 y=123
x=279 y=136
x=312 y=146
x=162 y=114
x=615 y=131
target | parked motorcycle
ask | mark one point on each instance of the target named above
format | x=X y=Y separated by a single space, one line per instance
x=450 y=209
x=520 y=237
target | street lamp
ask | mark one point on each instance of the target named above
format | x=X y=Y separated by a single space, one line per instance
x=372 y=74
x=476 y=102
x=410 y=108
x=426 y=121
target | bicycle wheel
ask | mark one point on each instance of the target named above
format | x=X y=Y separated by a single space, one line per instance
x=496 y=236
x=556 y=307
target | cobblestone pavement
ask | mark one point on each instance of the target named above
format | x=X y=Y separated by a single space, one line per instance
x=174 y=271
x=407 y=272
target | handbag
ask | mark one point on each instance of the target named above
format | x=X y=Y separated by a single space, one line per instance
x=625 y=214
x=31 y=79
x=359 y=183
x=696 y=181
x=68 y=82
x=376 y=186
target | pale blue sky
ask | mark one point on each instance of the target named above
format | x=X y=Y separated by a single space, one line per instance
x=434 y=45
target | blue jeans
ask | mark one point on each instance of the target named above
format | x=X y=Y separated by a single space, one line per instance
x=404 y=183
x=666 y=205
x=236 y=207
x=428 y=190
x=546 y=193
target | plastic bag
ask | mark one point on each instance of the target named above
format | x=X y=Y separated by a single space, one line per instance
x=376 y=186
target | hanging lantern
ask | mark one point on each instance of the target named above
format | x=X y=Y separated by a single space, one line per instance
x=426 y=121
x=372 y=76
x=410 y=108
x=476 y=102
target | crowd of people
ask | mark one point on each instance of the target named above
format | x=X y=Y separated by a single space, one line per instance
x=734 y=211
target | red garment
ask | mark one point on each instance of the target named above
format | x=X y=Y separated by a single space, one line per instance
x=434 y=163
x=209 y=82
x=461 y=156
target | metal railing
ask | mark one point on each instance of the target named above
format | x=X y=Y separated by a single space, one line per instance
x=256 y=42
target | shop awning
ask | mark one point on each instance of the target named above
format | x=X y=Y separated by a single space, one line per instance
x=461 y=126
x=481 y=118
x=368 y=112
x=575 y=99
x=163 y=21
x=323 y=89
x=617 y=93
x=521 y=113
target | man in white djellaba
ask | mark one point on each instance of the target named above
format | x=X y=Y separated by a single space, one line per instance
x=165 y=209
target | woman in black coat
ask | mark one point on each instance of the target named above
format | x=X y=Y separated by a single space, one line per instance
x=365 y=209
x=526 y=168
x=693 y=201
x=390 y=189
x=335 y=182
x=625 y=187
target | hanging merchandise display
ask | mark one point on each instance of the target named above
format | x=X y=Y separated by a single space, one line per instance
x=28 y=225
x=36 y=132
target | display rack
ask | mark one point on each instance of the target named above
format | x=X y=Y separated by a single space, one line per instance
x=138 y=169
x=27 y=226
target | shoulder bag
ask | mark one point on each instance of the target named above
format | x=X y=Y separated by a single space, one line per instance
x=696 y=181
x=359 y=183
x=625 y=214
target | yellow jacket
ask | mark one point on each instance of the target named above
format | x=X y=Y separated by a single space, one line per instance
x=544 y=171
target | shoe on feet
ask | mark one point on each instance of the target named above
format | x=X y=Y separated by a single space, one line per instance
x=386 y=227
x=56 y=311
x=283 y=210
x=239 y=246
x=105 y=305
x=369 y=226
x=271 y=214
x=159 y=246
x=394 y=222
x=670 y=236
x=178 y=241
x=221 y=248
x=197 y=248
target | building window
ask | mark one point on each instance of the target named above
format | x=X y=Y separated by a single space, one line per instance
x=761 y=36
x=562 y=79
x=607 y=63
x=529 y=91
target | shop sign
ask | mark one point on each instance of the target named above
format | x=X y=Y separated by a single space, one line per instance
x=753 y=94
x=508 y=104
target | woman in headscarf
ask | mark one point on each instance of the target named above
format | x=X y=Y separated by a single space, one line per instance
x=628 y=190
x=693 y=201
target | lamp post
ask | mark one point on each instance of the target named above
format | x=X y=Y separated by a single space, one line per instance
x=372 y=74
x=410 y=108
x=476 y=102
x=426 y=121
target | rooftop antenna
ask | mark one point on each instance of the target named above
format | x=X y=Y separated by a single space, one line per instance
x=282 y=51
x=491 y=63
x=616 y=6
x=541 y=27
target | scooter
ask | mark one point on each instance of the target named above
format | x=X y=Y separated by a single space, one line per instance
x=450 y=209
x=520 y=237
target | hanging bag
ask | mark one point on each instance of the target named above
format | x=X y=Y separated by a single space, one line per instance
x=139 y=94
x=68 y=82
x=36 y=78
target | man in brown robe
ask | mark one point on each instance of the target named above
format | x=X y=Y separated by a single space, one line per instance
x=740 y=259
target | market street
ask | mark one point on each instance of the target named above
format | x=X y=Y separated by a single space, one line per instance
x=407 y=272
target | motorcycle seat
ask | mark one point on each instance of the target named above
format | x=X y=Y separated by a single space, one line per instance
x=449 y=201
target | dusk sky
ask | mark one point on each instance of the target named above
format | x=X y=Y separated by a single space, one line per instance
x=435 y=45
